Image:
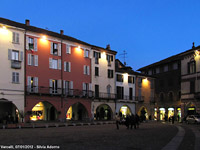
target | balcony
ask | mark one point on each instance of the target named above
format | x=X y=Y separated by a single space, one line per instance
x=105 y=96
x=75 y=93
x=126 y=98
x=15 y=64
x=140 y=98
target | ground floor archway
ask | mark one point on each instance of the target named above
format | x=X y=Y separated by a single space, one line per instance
x=124 y=111
x=103 y=112
x=9 y=113
x=143 y=113
x=77 y=112
x=43 y=111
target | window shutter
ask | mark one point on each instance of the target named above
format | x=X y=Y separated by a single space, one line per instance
x=93 y=53
x=59 y=64
x=59 y=84
x=51 y=51
x=99 y=55
x=36 y=84
x=29 y=59
x=90 y=87
x=69 y=66
x=28 y=83
x=63 y=84
x=35 y=44
x=84 y=69
x=9 y=54
x=59 y=49
x=111 y=58
x=21 y=56
x=36 y=60
x=50 y=85
x=71 y=85
x=84 y=87
x=17 y=37
x=50 y=62
x=13 y=37
x=84 y=52
x=64 y=66
x=27 y=41
x=88 y=70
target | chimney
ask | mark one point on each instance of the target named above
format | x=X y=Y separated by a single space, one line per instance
x=108 y=47
x=61 y=32
x=193 y=45
x=27 y=22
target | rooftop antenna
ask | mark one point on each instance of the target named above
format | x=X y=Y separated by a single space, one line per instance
x=124 y=56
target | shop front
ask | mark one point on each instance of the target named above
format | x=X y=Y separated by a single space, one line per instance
x=170 y=112
x=162 y=113
x=124 y=111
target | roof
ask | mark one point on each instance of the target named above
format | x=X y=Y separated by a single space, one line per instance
x=50 y=33
x=127 y=69
x=171 y=59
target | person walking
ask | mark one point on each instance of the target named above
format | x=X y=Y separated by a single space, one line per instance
x=133 y=123
x=117 y=119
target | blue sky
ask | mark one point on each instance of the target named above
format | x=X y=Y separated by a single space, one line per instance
x=149 y=30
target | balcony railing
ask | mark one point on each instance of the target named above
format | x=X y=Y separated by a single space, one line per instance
x=140 y=98
x=16 y=64
x=126 y=97
x=58 y=91
x=105 y=96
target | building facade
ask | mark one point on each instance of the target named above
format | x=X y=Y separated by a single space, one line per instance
x=12 y=72
x=190 y=82
x=61 y=78
x=167 y=73
x=125 y=89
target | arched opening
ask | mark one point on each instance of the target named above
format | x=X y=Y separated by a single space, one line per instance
x=124 y=111
x=77 y=112
x=8 y=112
x=162 y=113
x=43 y=111
x=143 y=113
x=103 y=112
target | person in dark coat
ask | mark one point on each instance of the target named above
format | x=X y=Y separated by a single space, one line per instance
x=133 y=123
x=127 y=122
x=137 y=119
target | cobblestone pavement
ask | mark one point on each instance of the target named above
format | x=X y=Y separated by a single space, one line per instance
x=150 y=136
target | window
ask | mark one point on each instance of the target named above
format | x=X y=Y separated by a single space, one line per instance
x=150 y=72
x=191 y=67
x=86 y=70
x=140 y=82
x=85 y=89
x=86 y=53
x=109 y=59
x=192 y=86
x=96 y=71
x=15 y=77
x=32 y=84
x=165 y=68
x=97 y=55
x=32 y=60
x=31 y=43
x=161 y=69
x=68 y=86
x=175 y=66
x=119 y=77
x=68 y=49
x=15 y=55
x=96 y=90
x=55 y=86
x=157 y=70
x=55 y=49
x=131 y=93
x=15 y=38
x=130 y=79
x=120 y=92
x=152 y=84
x=55 y=63
x=110 y=73
x=67 y=66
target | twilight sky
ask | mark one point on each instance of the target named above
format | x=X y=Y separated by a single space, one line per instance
x=149 y=30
